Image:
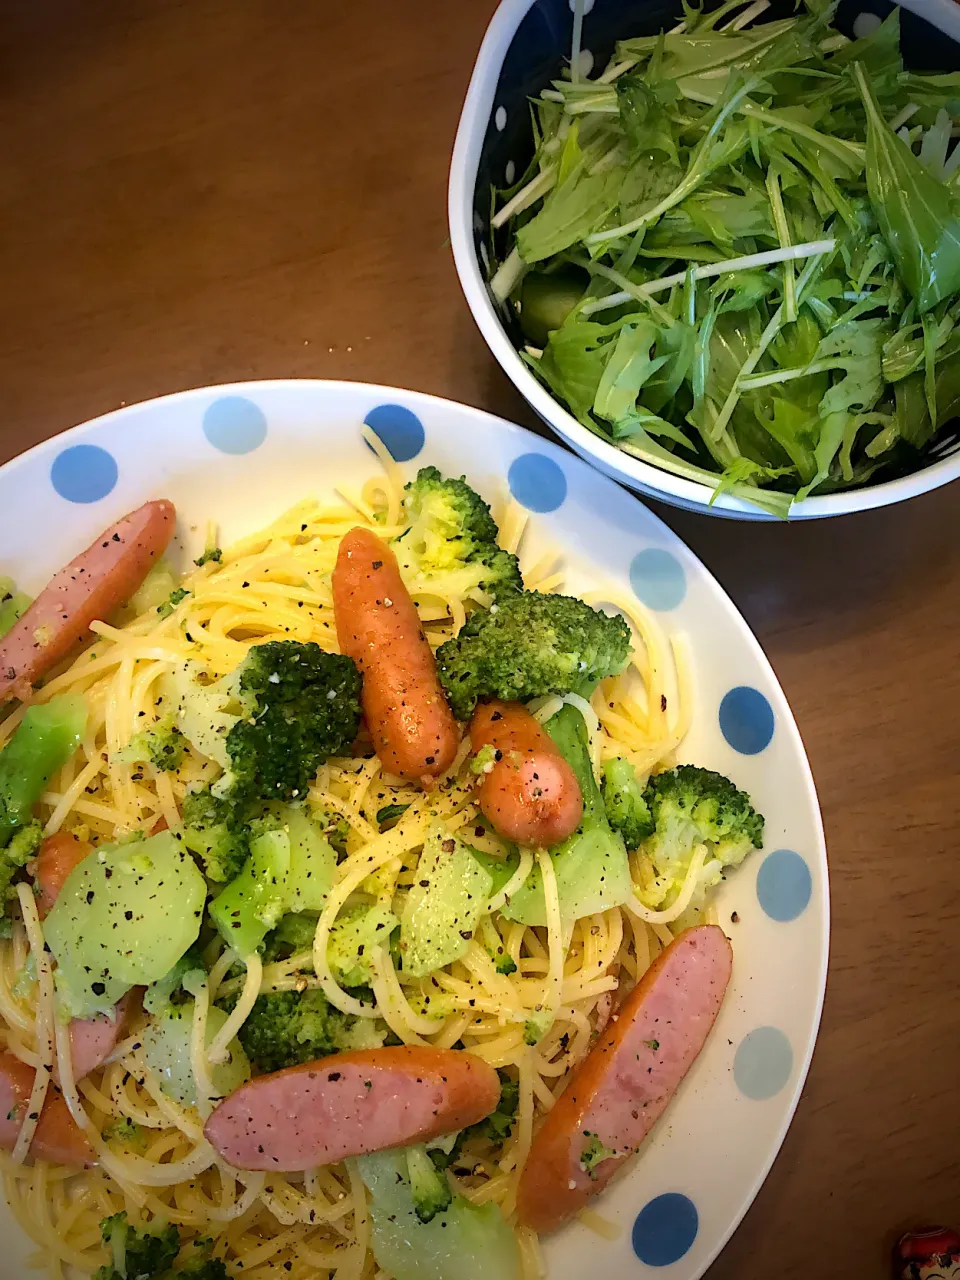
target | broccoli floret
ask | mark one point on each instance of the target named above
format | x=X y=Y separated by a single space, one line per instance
x=448 y=519
x=691 y=807
x=484 y=760
x=201 y=1268
x=212 y=554
x=498 y=1123
x=126 y=1131
x=215 y=830
x=170 y=989
x=294 y=933
x=166 y=749
x=537 y=1026
x=146 y=1253
x=23 y=846
x=138 y=1253
x=300 y=706
x=290 y=868
x=623 y=799
x=175 y=598
x=334 y=827
x=273 y=721
x=500 y=573
x=286 y=1028
x=200 y=1265
x=162 y=745
x=495 y=1128
x=218 y=829
x=452 y=534
x=593 y=1153
x=530 y=645
x=430 y=1188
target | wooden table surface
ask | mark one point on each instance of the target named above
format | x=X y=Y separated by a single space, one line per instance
x=198 y=191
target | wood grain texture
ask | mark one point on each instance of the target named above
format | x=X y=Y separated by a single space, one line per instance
x=209 y=190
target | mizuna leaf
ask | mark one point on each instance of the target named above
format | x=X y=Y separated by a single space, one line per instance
x=918 y=216
x=570 y=212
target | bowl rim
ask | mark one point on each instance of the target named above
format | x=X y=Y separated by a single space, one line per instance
x=639 y=475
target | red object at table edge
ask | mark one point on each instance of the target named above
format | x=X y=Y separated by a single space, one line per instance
x=917 y=1251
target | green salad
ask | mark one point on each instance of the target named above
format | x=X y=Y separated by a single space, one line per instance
x=735 y=253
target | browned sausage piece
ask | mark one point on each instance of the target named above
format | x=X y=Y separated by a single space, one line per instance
x=529 y=793
x=91 y=587
x=351 y=1104
x=58 y=1137
x=628 y=1078
x=413 y=729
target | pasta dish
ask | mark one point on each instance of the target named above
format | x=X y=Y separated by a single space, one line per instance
x=328 y=867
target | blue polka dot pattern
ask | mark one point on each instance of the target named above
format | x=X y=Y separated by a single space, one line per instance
x=537 y=482
x=400 y=430
x=783 y=885
x=658 y=579
x=763 y=1063
x=84 y=473
x=746 y=720
x=665 y=1229
x=234 y=424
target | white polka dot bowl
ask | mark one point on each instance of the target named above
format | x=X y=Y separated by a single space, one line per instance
x=526 y=43
x=240 y=455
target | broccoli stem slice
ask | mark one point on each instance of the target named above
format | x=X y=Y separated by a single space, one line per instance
x=252 y=903
x=44 y=741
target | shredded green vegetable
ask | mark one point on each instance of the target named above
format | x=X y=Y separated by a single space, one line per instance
x=735 y=253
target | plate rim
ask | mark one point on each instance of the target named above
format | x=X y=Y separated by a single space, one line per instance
x=325 y=386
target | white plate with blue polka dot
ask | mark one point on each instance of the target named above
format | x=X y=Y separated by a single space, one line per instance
x=240 y=455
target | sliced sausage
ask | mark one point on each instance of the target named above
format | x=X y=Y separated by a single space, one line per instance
x=58 y=1138
x=92 y=1040
x=626 y=1081
x=351 y=1104
x=529 y=793
x=58 y=856
x=413 y=729
x=98 y=581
